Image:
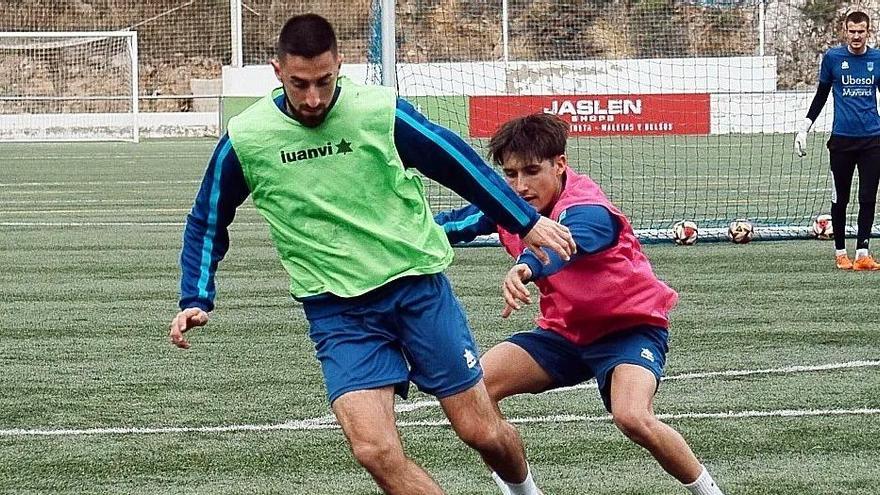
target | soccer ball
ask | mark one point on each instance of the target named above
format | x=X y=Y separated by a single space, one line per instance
x=740 y=231
x=684 y=233
x=822 y=227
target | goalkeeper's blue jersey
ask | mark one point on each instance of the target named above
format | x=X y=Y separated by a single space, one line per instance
x=853 y=80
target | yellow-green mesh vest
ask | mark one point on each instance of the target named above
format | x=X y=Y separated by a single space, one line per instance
x=344 y=214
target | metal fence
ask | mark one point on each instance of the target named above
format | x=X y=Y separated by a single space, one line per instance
x=185 y=40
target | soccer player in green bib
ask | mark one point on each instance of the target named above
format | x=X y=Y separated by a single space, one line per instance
x=328 y=163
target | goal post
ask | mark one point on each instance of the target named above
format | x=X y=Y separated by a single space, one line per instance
x=69 y=86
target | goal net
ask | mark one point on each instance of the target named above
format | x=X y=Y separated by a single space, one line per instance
x=68 y=86
x=679 y=110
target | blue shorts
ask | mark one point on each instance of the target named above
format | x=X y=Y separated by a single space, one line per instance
x=411 y=329
x=569 y=364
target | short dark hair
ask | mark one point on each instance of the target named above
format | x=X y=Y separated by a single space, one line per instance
x=539 y=137
x=306 y=35
x=857 y=17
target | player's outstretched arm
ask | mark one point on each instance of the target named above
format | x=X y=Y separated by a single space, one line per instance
x=551 y=235
x=454 y=164
x=445 y=157
x=184 y=321
x=464 y=224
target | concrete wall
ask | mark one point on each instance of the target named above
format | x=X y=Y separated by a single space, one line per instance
x=104 y=126
x=780 y=112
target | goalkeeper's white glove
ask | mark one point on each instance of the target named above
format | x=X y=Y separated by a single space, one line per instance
x=800 y=139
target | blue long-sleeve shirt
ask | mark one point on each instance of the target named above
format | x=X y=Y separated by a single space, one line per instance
x=593 y=228
x=431 y=149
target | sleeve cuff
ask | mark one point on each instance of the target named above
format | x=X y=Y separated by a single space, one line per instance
x=529 y=259
x=194 y=303
x=528 y=228
x=806 y=124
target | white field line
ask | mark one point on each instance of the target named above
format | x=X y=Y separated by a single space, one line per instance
x=98 y=211
x=328 y=422
x=85 y=201
x=412 y=406
x=127 y=157
x=88 y=224
x=175 y=224
x=118 y=209
x=305 y=425
x=45 y=193
x=98 y=183
x=573 y=418
x=82 y=201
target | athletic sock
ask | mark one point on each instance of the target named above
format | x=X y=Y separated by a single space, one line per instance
x=527 y=487
x=840 y=252
x=704 y=485
x=861 y=253
x=502 y=485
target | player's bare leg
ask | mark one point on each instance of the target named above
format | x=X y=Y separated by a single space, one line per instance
x=632 y=398
x=477 y=420
x=368 y=421
x=509 y=370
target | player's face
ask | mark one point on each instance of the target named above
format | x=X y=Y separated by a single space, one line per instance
x=539 y=183
x=856 y=36
x=309 y=84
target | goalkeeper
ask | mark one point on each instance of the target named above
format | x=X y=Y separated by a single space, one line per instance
x=849 y=70
x=604 y=313
x=327 y=164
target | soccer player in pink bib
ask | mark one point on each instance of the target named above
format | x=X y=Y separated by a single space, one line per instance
x=604 y=313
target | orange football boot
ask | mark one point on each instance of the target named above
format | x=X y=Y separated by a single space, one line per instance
x=865 y=263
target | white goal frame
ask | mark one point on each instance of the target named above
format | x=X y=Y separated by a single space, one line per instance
x=129 y=118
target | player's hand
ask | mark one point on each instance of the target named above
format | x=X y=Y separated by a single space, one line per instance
x=800 y=143
x=800 y=139
x=551 y=235
x=513 y=289
x=185 y=320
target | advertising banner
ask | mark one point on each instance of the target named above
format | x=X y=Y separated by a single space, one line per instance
x=598 y=115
